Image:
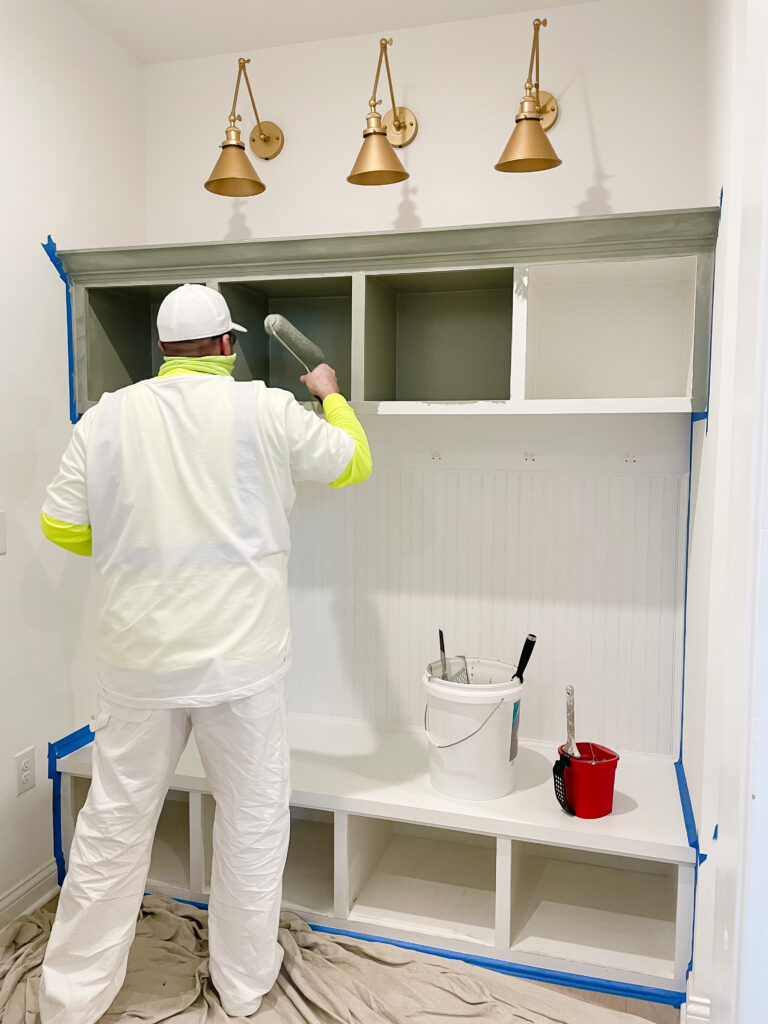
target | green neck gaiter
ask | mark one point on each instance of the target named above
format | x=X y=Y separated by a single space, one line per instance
x=221 y=365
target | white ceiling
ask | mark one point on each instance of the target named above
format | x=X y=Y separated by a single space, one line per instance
x=161 y=30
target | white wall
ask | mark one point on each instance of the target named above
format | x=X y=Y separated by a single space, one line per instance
x=635 y=129
x=71 y=108
x=728 y=984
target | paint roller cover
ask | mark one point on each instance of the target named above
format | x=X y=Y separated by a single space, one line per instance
x=298 y=344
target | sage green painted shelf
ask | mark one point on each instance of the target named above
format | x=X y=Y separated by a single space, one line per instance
x=589 y=315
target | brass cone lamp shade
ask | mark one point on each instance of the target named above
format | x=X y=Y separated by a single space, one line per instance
x=528 y=149
x=233 y=174
x=377 y=163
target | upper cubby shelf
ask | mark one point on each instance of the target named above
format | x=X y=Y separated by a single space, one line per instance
x=588 y=315
x=440 y=336
x=321 y=308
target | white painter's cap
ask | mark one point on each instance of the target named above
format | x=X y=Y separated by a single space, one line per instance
x=194 y=311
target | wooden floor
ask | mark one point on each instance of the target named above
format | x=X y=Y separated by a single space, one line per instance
x=656 y=1013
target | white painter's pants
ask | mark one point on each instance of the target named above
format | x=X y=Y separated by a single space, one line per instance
x=244 y=749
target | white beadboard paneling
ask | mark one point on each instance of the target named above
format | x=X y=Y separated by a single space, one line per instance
x=592 y=562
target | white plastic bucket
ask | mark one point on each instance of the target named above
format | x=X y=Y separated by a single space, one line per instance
x=472 y=728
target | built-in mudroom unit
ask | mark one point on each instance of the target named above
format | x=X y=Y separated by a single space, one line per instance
x=535 y=396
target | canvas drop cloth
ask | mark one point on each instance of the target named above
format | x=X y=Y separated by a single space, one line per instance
x=325 y=979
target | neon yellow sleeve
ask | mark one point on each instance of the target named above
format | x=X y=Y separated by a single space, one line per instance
x=72 y=536
x=339 y=414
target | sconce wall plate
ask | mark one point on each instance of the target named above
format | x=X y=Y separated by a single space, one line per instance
x=268 y=142
x=549 y=109
x=408 y=126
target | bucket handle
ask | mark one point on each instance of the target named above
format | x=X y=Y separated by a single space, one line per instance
x=445 y=746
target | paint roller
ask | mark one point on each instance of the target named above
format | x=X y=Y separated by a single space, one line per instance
x=300 y=347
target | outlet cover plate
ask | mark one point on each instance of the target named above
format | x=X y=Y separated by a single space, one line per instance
x=25 y=770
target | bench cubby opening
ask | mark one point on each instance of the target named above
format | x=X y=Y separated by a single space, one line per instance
x=594 y=909
x=432 y=881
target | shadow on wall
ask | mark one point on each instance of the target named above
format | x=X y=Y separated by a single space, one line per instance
x=407 y=215
x=239 y=229
x=597 y=200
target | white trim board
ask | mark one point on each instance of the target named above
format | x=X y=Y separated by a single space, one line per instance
x=31 y=893
x=696 y=1010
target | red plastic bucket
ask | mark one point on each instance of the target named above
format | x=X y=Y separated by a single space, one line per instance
x=589 y=780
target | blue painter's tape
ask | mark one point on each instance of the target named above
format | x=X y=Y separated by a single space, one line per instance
x=50 y=250
x=75 y=740
x=693 y=841
x=176 y=899
x=685 y=800
x=617 y=988
x=654 y=995
x=58 y=849
x=61 y=748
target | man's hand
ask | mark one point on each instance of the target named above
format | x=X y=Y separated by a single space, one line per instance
x=321 y=381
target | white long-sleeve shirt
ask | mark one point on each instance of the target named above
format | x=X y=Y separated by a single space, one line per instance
x=187 y=481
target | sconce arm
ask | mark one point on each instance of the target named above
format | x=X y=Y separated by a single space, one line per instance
x=383 y=44
x=529 y=82
x=240 y=72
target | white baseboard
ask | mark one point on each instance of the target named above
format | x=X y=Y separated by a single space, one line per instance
x=696 y=1010
x=29 y=894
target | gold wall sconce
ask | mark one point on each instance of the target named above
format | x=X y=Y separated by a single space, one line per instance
x=233 y=174
x=377 y=163
x=528 y=148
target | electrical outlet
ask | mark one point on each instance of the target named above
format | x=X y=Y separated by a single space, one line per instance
x=25 y=770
